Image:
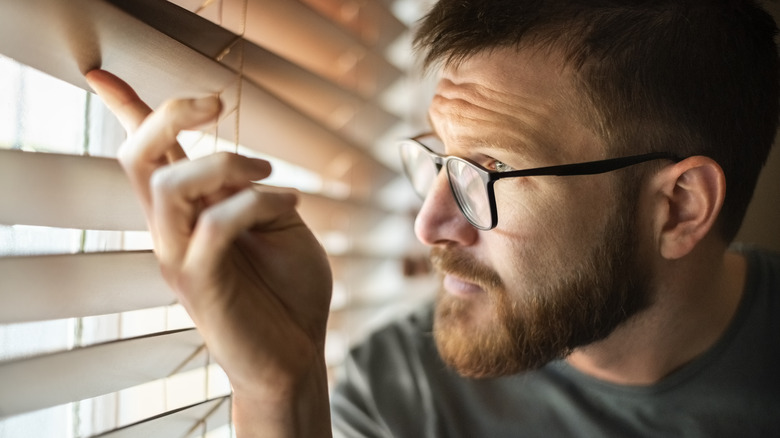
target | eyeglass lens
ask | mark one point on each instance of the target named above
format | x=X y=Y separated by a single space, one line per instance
x=470 y=192
x=465 y=181
x=420 y=167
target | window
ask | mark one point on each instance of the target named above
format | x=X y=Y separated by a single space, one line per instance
x=91 y=340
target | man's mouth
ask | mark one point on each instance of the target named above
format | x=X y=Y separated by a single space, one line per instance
x=459 y=287
x=462 y=275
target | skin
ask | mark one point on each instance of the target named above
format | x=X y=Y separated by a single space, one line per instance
x=516 y=108
x=226 y=248
x=498 y=112
x=488 y=109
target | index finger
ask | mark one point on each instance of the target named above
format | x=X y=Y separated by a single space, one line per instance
x=125 y=104
x=119 y=97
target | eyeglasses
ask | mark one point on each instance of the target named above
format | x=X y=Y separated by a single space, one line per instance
x=472 y=184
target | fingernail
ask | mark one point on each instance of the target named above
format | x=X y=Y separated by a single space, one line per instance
x=261 y=163
x=90 y=78
x=208 y=104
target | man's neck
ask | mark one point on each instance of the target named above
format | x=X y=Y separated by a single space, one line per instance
x=693 y=307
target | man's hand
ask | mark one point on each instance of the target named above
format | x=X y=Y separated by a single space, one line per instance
x=241 y=261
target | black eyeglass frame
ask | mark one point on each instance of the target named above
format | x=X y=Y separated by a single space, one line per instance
x=489 y=177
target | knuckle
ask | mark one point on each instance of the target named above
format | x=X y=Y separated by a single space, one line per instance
x=171 y=109
x=126 y=156
x=211 y=222
x=171 y=106
x=171 y=112
x=254 y=198
x=130 y=153
x=131 y=161
x=163 y=180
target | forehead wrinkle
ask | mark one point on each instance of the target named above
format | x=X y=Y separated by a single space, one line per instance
x=523 y=126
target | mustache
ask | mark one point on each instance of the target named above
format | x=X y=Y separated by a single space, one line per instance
x=465 y=266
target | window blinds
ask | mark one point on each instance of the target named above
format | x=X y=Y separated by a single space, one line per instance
x=308 y=82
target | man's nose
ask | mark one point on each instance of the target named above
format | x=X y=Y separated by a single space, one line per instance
x=440 y=221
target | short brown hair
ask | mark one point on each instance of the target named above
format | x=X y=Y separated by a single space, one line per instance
x=692 y=77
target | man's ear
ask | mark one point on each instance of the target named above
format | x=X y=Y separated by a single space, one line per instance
x=689 y=196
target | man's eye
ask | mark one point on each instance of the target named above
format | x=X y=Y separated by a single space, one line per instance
x=501 y=167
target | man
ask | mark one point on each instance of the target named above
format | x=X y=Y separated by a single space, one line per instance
x=576 y=205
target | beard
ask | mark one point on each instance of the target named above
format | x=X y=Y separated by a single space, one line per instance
x=566 y=307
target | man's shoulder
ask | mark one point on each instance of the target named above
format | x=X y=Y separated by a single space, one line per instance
x=768 y=257
x=763 y=275
x=383 y=387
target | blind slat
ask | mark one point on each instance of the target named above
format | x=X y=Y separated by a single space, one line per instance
x=319 y=112
x=358 y=229
x=160 y=67
x=30 y=384
x=344 y=112
x=69 y=38
x=300 y=34
x=198 y=418
x=314 y=95
x=79 y=285
x=276 y=129
x=60 y=190
x=371 y=21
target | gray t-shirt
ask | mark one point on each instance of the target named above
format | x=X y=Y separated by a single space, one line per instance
x=395 y=384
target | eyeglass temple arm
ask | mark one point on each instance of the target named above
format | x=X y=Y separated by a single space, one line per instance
x=593 y=167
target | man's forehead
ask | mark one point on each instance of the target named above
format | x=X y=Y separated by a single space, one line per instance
x=525 y=95
x=506 y=63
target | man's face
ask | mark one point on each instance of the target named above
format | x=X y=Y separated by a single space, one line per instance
x=561 y=269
